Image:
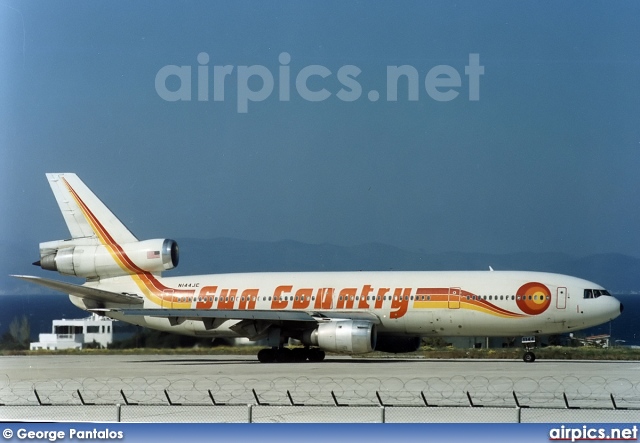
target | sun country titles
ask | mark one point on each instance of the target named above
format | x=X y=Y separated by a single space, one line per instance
x=533 y=299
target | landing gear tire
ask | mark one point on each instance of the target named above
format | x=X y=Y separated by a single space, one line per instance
x=316 y=355
x=300 y=354
x=266 y=356
x=284 y=355
x=529 y=357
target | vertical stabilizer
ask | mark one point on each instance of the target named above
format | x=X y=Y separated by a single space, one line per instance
x=84 y=213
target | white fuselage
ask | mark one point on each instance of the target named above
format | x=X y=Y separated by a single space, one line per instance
x=419 y=303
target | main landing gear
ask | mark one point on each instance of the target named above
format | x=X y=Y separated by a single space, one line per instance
x=290 y=355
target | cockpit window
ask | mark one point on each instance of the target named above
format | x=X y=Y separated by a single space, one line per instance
x=595 y=293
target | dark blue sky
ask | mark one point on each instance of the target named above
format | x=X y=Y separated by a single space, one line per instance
x=547 y=159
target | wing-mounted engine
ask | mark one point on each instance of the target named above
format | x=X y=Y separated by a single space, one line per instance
x=348 y=336
x=87 y=257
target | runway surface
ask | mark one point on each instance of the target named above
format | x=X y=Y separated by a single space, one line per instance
x=32 y=368
x=236 y=381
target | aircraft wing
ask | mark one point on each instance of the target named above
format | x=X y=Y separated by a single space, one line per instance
x=83 y=291
x=349 y=315
x=241 y=314
x=229 y=314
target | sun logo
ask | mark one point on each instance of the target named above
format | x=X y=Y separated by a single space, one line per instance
x=533 y=298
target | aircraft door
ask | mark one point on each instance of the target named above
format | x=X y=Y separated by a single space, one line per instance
x=454 y=298
x=561 y=300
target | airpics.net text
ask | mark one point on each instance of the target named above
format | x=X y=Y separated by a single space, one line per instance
x=256 y=83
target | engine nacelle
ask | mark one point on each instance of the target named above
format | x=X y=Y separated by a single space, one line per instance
x=397 y=343
x=87 y=260
x=348 y=336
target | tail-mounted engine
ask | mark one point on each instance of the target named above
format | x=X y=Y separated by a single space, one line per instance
x=87 y=258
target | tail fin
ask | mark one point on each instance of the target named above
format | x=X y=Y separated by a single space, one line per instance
x=101 y=246
x=85 y=214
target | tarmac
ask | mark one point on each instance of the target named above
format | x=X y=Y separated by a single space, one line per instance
x=185 y=387
x=58 y=367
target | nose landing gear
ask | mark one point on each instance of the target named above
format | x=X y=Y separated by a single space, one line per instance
x=529 y=343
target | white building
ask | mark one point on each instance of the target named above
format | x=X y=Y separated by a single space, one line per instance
x=77 y=333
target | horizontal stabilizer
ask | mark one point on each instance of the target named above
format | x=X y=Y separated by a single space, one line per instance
x=83 y=291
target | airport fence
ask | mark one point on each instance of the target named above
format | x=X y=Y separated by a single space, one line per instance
x=305 y=400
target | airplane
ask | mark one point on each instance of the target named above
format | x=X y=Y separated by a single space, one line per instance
x=341 y=312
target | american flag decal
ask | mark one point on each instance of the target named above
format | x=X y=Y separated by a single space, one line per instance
x=153 y=254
